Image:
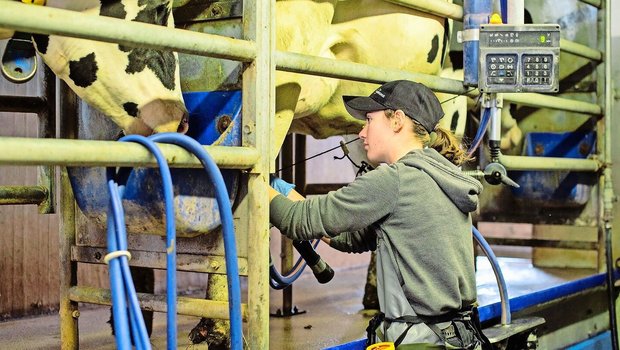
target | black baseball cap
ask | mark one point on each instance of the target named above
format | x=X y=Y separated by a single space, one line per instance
x=416 y=100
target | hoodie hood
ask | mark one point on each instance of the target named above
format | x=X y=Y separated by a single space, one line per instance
x=463 y=190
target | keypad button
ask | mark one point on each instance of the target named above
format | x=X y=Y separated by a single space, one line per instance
x=537 y=69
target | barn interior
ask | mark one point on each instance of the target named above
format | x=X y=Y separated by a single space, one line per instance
x=261 y=82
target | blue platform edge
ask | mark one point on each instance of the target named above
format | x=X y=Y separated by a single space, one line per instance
x=493 y=311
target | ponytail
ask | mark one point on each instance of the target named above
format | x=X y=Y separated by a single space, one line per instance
x=442 y=140
x=446 y=143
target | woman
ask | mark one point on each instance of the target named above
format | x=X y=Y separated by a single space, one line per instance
x=414 y=210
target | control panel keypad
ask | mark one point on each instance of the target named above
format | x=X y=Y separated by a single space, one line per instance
x=537 y=69
x=502 y=69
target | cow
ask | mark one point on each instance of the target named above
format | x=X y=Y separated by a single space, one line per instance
x=355 y=31
x=145 y=96
x=137 y=88
x=371 y=32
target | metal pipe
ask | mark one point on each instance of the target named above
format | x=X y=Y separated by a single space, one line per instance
x=305 y=64
x=70 y=23
x=259 y=112
x=151 y=302
x=549 y=163
x=68 y=309
x=608 y=188
x=48 y=20
x=433 y=7
x=300 y=63
x=516 y=12
x=595 y=3
x=552 y=102
x=580 y=50
x=22 y=195
x=28 y=151
x=46 y=175
x=157 y=260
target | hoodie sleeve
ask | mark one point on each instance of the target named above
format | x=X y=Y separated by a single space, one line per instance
x=355 y=207
x=355 y=242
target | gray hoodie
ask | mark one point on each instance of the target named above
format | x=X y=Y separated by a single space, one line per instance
x=416 y=214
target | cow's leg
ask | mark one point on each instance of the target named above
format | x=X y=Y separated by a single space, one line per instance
x=144 y=281
x=215 y=332
x=371 y=299
x=287 y=95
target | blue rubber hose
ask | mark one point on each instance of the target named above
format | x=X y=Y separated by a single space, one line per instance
x=171 y=260
x=225 y=210
x=119 y=243
x=499 y=276
x=484 y=123
x=119 y=304
x=123 y=293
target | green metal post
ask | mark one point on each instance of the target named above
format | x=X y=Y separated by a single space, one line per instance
x=258 y=119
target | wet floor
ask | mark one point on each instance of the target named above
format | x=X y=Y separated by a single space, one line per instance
x=333 y=311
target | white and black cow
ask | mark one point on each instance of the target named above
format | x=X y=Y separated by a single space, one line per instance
x=137 y=88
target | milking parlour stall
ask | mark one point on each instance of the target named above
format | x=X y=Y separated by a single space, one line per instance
x=138 y=139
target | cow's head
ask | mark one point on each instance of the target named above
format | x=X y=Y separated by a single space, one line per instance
x=139 y=89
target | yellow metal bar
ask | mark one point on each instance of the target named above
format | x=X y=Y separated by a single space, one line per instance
x=28 y=151
x=151 y=302
x=580 y=50
x=48 y=20
x=68 y=309
x=595 y=3
x=22 y=195
x=69 y=23
x=553 y=102
x=157 y=260
x=259 y=108
x=549 y=163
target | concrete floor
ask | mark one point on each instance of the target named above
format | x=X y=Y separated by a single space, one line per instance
x=333 y=311
x=321 y=326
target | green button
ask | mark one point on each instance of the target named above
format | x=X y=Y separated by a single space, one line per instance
x=542 y=39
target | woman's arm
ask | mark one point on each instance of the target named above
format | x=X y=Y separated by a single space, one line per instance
x=351 y=242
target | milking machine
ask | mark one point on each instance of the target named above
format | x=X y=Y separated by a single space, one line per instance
x=118 y=256
x=504 y=58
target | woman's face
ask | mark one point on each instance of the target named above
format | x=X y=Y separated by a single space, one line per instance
x=376 y=135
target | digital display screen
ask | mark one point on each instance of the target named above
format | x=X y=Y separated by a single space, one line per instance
x=519 y=39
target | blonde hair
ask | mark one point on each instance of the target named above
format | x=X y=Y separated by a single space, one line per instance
x=444 y=141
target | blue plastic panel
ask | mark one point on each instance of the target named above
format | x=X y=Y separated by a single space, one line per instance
x=195 y=204
x=598 y=342
x=556 y=188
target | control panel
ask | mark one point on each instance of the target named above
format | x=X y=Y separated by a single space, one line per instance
x=519 y=58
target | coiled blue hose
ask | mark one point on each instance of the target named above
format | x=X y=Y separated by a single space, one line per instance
x=120 y=277
x=225 y=210
x=121 y=283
